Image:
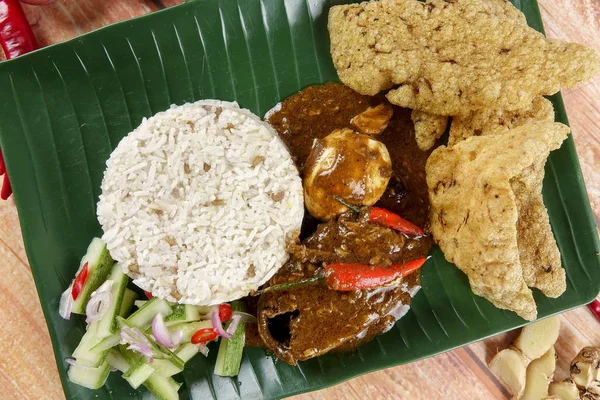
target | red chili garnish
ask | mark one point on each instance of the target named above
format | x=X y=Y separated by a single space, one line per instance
x=148 y=295
x=394 y=221
x=594 y=307
x=204 y=335
x=16 y=38
x=79 y=282
x=345 y=277
x=224 y=312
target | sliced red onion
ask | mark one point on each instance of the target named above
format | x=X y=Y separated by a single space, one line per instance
x=245 y=316
x=216 y=323
x=97 y=306
x=99 y=302
x=235 y=320
x=134 y=336
x=177 y=337
x=162 y=335
x=66 y=304
x=142 y=349
x=203 y=349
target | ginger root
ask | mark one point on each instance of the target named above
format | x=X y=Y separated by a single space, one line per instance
x=565 y=390
x=539 y=375
x=585 y=369
x=535 y=339
x=527 y=367
x=510 y=366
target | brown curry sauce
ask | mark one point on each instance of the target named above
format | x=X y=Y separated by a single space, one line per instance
x=301 y=323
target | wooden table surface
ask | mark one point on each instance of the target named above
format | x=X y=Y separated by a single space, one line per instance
x=27 y=366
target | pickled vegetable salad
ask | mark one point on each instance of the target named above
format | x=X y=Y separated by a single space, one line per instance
x=150 y=345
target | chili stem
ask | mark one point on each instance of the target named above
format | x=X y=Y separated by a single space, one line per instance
x=313 y=280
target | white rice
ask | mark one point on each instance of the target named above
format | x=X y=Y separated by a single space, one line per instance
x=191 y=206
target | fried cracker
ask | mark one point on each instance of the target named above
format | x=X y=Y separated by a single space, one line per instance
x=475 y=211
x=491 y=122
x=451 y=57
x=538 y=252
x=428 y=128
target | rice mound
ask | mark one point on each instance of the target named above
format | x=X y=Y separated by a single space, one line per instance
x=199 y=202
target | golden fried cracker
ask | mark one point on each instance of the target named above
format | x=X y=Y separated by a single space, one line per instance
x=451 y=57
x=474 y=210
x=538 y=252
x=428 y=128
x=491 y=122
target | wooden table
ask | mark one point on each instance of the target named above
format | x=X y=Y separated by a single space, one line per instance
x=27 y=366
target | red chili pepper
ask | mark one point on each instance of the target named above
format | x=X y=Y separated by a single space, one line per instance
x=148 y=295
x=6 y=187
x=382 y=216
x=394 y=221
x=204 y=335
x=224 y=312
x=79 y=282
x=594 y=307
x=345 y=277
x=16 y=38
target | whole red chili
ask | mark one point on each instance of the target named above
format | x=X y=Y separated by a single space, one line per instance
x=204 y=335
x=16 y=38
x=79 y=282
x=394 y=221
x=594 y=307
x=346 y=277
x=148 y=294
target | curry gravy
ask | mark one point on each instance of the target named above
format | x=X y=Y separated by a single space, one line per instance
x=304 y=322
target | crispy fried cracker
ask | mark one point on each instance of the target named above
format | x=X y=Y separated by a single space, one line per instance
x=451 y=57
x=474 y=209
x=491 y=122
x=428 y=128
x=538 y=252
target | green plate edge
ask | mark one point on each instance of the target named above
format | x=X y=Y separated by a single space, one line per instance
x=56 y=136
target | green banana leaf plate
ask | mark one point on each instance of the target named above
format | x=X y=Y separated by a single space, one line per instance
x=64 y=108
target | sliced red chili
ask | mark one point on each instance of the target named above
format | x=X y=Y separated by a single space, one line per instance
x=224 y=312
x=79 y=282
x=148 y=294
x=346 y=277
x=204 y=335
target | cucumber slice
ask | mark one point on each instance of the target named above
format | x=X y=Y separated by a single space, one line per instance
x=86 y=354
x=92 y=378
x=128 y=299
x=138 y=373
x=117 y=361
x=99 y=266
x=142 y=318
x=163 y=387
x=140 y=303
x=108 y=342
x=107 y=326
x=231 y=350
x=158 y=349
x=187 y=351
x=183 y=313
x=165 y=367
x=189 y=328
